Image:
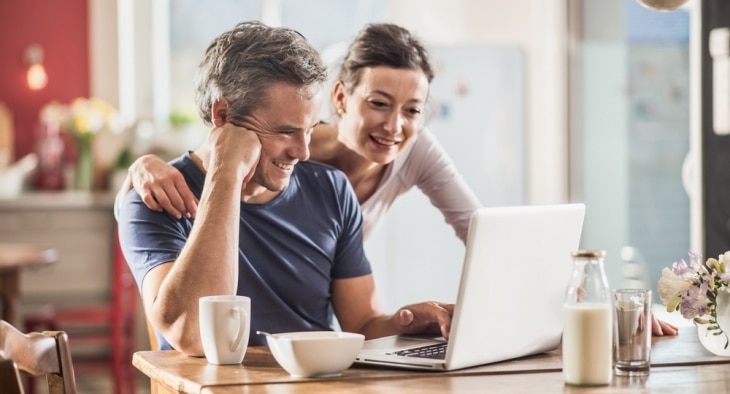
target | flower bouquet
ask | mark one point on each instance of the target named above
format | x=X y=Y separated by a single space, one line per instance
x=83 y=119
x=700 y=291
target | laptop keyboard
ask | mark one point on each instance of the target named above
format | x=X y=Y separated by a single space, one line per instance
x=437 y=351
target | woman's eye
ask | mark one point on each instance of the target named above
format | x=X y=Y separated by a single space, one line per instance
x=378 y=104
x=413 y=112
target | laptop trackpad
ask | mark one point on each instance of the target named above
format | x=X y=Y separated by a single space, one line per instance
x=397 y=342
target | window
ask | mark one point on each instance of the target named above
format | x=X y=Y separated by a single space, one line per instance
x=194 y=23
x=630 y=128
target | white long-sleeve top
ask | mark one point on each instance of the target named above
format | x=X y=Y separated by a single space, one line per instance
x=425 y=164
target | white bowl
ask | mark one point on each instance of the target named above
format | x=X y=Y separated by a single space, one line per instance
x=315 y=353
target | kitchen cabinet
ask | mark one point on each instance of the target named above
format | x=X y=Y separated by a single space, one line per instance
x=81 y=226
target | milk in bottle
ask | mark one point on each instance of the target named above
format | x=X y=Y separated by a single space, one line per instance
x=587 y=334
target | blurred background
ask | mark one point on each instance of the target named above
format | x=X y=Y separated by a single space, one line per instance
x=537 y=101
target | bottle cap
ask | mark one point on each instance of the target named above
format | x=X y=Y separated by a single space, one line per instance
x=589 y=253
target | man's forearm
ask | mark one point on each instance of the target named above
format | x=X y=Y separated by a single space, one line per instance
x=207 y=265
x=379 y=326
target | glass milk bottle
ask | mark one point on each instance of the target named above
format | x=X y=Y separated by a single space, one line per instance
x=587 y=335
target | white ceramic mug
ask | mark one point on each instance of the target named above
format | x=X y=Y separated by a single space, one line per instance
x=224 y=327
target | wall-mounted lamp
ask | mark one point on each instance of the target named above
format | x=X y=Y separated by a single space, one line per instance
x=663 y=5
x=33 y=56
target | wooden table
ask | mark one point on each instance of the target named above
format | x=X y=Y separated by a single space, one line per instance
x=13 y=258
x=679 y=364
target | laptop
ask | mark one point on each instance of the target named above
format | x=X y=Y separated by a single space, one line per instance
x=510 y=300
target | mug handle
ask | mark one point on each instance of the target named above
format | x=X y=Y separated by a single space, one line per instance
x=241 y=325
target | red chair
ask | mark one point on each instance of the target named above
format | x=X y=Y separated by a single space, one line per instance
x=109 y=326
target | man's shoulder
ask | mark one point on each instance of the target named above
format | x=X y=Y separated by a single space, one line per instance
x=185 y=164
x=194 y=176
x=182 y=161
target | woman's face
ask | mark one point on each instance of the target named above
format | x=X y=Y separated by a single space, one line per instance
x=383 y=113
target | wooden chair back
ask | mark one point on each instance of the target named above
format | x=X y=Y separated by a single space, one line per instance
x=104 y=333
x=10 y=378
x=39 y=354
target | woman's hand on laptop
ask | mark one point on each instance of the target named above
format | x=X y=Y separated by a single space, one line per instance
x=424 y=318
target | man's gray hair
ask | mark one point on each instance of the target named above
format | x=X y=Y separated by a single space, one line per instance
x=242 y=63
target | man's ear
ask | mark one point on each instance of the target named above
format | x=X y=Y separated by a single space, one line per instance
x=219 y=112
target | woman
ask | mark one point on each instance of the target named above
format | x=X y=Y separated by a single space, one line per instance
x=378 y=140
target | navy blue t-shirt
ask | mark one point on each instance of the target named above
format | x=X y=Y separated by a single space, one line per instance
x=290 y=249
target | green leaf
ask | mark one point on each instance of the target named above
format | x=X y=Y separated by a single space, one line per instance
x=124 y=160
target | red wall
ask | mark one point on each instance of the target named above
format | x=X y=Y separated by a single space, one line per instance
x=61 y=28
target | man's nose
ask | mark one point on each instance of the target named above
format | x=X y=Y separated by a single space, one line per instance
x=300 y=146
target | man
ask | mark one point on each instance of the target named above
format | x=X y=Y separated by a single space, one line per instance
x=285 y=232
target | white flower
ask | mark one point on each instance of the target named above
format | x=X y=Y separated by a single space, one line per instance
x=53 y=113
x=725 y=256
x=671 y=287
x=700 y=291
x=83 y=117
x=91 y=116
